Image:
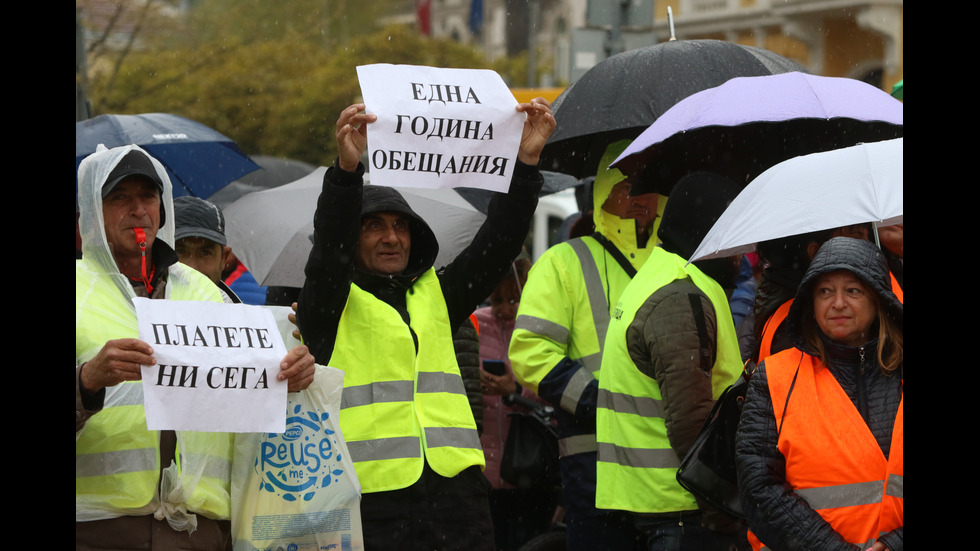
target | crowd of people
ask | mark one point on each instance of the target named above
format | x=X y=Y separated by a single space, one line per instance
x=627 y=341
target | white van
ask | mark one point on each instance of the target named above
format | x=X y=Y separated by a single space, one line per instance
x=552 y=210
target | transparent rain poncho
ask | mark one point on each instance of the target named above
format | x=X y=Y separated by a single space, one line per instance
x=109 y=451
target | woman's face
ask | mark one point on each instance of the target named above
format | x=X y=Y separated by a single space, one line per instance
x=844 y=307
x=505 y=300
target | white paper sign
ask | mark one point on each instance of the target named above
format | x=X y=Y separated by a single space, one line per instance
x=440 y=128
x=216 y=367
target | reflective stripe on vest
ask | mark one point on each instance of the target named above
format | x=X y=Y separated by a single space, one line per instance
x=833 y=461
x=117 y=470
x=637 y=467
x=396 y=402
x=596 y=291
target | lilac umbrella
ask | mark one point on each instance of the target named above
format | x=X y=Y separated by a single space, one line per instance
x=748 y=124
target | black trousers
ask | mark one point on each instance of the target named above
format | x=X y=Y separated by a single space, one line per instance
x=434 y=514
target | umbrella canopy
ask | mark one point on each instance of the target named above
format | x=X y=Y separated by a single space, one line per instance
x=821 y=191
x=553 y=183
x=622 y=95
x=273 y=172
x=748 y=124
x=898 y=91
x=270 y=230
x=199 y=159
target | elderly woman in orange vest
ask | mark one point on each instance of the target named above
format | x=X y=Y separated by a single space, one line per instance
x=820 y=456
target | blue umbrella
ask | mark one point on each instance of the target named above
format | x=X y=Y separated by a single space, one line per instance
x=199 y=159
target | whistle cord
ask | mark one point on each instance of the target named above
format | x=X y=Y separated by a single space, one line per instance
x=141 y=242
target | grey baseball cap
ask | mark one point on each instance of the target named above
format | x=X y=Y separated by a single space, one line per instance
x=197 y=217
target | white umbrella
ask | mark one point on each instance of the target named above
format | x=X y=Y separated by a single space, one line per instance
x=842 y=187
x=270 y=230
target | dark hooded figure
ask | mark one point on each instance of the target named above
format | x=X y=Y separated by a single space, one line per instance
x=374 y=306
x=820 y=440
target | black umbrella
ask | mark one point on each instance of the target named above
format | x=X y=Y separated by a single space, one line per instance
x=624 y=94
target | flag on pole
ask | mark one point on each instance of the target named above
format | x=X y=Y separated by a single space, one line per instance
x=422 y=13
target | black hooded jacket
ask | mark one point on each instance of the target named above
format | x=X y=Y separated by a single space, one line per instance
x=777 y=516
x=466 y=282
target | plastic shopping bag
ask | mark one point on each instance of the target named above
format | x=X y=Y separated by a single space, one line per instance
x=298 y=490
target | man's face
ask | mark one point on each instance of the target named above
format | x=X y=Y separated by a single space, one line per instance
x=203 y=255
x=385 y=243
x=642 y=208
x=133 y=203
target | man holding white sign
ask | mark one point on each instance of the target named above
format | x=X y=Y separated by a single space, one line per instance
x=374 y=304
x=127 y=479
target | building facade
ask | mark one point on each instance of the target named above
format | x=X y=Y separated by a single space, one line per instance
x=862 y=39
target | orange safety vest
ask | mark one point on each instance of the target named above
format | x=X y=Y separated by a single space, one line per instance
x=896 y=288
x=777 y=317
x=833 y=461
x=769 y=330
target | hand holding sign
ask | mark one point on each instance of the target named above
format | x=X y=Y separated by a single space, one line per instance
x=119 y=360
x=352 y=132
x=352 y=135
x=219 y=367
x=538 y=127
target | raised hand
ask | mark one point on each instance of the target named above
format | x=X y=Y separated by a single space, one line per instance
x=352 y=135
x=538 y=127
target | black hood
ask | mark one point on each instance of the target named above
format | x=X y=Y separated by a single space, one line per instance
x=424 y=247
x=693 y=207
x=863 y=259
x=695 y=204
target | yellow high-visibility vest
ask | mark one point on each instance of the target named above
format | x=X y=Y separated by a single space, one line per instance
x=637 y=468
x=403 y=407
x=117 y=460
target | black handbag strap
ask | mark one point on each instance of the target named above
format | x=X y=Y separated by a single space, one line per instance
x=616 y=253
x=782 y=419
